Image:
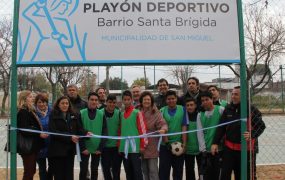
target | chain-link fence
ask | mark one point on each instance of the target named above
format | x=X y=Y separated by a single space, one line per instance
x=270 y=101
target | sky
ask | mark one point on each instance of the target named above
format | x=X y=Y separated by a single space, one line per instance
x=204 y=73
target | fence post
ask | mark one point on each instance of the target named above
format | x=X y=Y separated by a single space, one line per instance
x=154 y=78
x=220 y=83
x=14 y=88
x=243 y=94
x=122 y=81
x=98 y=76
x=282 y=88
x=88 y=81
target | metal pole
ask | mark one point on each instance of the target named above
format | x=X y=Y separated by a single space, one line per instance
x=220 y=85
x=121 y=80
x=88 y=81
x=98 y=76
x=243 y=96
x=14 y=88
x=154 y=78
x=282 y=88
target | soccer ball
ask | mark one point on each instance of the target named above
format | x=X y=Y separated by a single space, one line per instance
x=177 y=148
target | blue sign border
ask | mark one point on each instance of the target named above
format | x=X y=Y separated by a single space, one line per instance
x=130 y=62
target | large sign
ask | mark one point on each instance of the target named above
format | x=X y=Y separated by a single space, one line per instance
x=128 y=32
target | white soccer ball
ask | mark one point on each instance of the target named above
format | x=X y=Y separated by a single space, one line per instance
x=177 y=148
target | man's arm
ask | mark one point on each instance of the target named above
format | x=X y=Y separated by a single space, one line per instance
x=220 y=133
x=81 y=140
x=258 y=125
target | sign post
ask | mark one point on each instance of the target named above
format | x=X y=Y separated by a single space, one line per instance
x=243 y=94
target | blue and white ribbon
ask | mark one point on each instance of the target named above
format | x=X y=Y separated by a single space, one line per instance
x=129 y=140
x=78 y=154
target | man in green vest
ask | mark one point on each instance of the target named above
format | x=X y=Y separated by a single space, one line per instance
x=111 y=160
x=210 y=165
x=173 y=115
x=132 y=124
x=93 y=121
x=190 y=140
x=216 y=96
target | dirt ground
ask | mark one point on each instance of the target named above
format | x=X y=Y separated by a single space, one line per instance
x=264 y=172
x=273 y=172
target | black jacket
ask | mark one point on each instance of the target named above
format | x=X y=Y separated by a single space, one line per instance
x=160 y=101
x=27 y=120
x=61 y=146
x=182 y=99
x=78 y=104
x=232 y=131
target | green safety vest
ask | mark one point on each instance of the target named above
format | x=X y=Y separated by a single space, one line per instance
x=192 y=146
x=129 y=128
x=113 y=124
x=94 y=126
x=174 y=123
x=206 y=122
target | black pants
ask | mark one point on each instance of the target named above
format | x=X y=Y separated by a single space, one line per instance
x=95 y=159
x=133 y=166
x=190 y=165
x=29 y=162
x=211 y=166
x=232 y=162
x=168 y=160
x=44 y=171
x=111 y=163
x=62 y=167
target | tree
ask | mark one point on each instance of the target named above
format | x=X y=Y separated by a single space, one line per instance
x=181 y=74
x=26 y=78
x=264 y=42
x=64 y=76
x=5 y=59
x=115 y=83
x=53 y=78
x=70 y=75
x=88 y=84
x=142 y=82
x=41 y=85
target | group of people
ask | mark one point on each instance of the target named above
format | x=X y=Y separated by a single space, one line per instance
x=73 y=122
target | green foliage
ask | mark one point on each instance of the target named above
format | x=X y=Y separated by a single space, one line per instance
x=142 y=82
x=266 y=102
x=41 y=83
x=115 y=84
